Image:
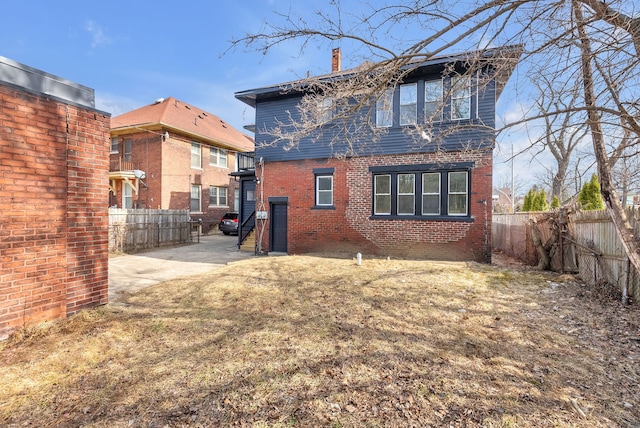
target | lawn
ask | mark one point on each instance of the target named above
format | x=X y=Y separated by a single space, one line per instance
x=306 y=341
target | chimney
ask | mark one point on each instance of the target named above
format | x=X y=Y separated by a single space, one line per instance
x=336 y=60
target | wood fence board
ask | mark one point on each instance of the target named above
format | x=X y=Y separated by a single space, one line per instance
x=133 y=230
x=599 y=253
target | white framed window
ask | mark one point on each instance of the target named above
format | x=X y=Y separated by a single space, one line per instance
x=324 y=190
x=406 y=194
x=325 y=109
x=127 y=195
x=218 y=157
x=217 y=196
x=431 y=193
x=114 y=145
x=460 y=98
x=384 y=109
x=236 y=199
x=194 y=202
x=382 y=194
x=196 y=155
x=408 y=104
x=433 y=100
x=458 y=193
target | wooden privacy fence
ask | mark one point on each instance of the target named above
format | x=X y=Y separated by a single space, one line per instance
x=587 y=245
x=132 y=230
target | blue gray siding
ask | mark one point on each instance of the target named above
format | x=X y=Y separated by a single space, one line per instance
x=475 y=133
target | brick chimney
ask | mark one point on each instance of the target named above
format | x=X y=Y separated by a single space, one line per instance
x=336 y=60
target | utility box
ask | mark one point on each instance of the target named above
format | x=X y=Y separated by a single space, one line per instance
x=261 y=215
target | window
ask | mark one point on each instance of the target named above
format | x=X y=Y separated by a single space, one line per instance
x=433 y=100
x=194 y=204
x=127 y=195
x=196 y=155
x=325 y=110
x=427 y=191
x=460 y=98
x=218 y=196
x=114 y=145
x=127 y=150
x=236 y=199
x=384 y=109
x=458 y=184
x=408 y=104
x=431 y=193
x=324 y=190
x=406 y=194
x=382 y=194
x=218 y=157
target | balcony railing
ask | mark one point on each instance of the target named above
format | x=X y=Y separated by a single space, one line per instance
x=246 y=161
x=121 y=165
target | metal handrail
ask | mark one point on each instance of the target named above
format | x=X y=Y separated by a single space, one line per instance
x=245 y=234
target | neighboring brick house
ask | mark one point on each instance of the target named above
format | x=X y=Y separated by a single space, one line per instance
x=54 y=160
x=395 y=197
x=173 y=155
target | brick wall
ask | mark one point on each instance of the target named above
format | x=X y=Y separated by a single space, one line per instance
x=53 y=208
x=349 y=229
x=167 y=164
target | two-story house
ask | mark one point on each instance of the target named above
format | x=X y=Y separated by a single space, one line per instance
x=173 y=155
x=393 y=196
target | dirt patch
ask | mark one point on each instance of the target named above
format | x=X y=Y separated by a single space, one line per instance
x=312 y=341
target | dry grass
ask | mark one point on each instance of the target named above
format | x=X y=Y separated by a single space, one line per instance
x=311 y=341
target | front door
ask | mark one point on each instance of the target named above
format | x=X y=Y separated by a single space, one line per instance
x=278 y=229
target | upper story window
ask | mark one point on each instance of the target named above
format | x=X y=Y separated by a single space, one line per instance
x=218 y=157
x=196 y=155
x=127 y=150
x=325 y=110
x=408 y=104
x=433 y=100
x=460 y=98
x=384 y=109
x=114 y=145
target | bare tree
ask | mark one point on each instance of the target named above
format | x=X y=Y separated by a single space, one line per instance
x=595 y=42
x=564 y=129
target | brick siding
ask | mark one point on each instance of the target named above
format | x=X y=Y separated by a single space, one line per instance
x=167 y=164
x=53 y=208
x=349 y=228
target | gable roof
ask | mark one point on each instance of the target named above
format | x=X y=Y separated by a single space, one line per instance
x=183 y=118
x=508 y=54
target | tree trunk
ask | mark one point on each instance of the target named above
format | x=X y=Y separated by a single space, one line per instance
x=614 y=208
x=544 y=261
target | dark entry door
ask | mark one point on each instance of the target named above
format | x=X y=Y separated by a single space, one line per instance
x=278 y=229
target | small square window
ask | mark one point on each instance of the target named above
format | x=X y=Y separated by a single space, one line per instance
x=324 y=190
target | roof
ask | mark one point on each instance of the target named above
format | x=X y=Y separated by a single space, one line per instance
x=509 y=54
x=180 y=117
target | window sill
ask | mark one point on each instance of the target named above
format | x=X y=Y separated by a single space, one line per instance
x=465 y=219
x=323 y=207
x=217 y=206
